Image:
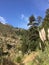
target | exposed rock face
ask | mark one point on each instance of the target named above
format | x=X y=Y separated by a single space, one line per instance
x=9 y=45
x=9 y=41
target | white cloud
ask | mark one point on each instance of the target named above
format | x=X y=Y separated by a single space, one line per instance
x=25 y=21
x=2 y=20
x=25 y=18
x=22 y=16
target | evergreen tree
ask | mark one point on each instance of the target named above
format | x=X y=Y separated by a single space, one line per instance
x=33 y=32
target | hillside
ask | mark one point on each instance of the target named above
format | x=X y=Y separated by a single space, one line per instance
x=13 y=42
x=9 y=40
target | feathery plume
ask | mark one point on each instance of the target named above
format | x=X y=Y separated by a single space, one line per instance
x=42 y=34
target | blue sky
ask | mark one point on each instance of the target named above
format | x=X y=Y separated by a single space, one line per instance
x=17 y=12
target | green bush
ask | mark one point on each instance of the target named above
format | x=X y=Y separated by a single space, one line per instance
x=18 y=60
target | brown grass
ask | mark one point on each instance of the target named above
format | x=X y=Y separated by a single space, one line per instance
x=30 y=57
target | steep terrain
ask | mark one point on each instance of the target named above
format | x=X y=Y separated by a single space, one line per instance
x=9 y=41
x=10 y=45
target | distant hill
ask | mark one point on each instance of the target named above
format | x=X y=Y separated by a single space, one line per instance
x=8 y=30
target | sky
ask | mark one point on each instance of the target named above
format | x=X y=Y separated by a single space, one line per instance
x=17 y=12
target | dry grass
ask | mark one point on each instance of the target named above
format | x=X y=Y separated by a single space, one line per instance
x=30 y=57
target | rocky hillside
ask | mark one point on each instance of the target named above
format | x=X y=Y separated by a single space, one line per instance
x=9 y=40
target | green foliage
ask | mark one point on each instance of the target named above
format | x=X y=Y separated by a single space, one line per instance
x=31 y=20
x=45 y=23
x=43 y=57
x=25 y=42
x=33 y=33
x=18 y=59
x=30 y=38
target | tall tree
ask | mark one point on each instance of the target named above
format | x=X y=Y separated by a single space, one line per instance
x=33 y=32
x=45 y=23
x=46 y=19
x=39 y=20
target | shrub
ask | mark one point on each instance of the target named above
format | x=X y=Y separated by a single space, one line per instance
x=18 y=60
